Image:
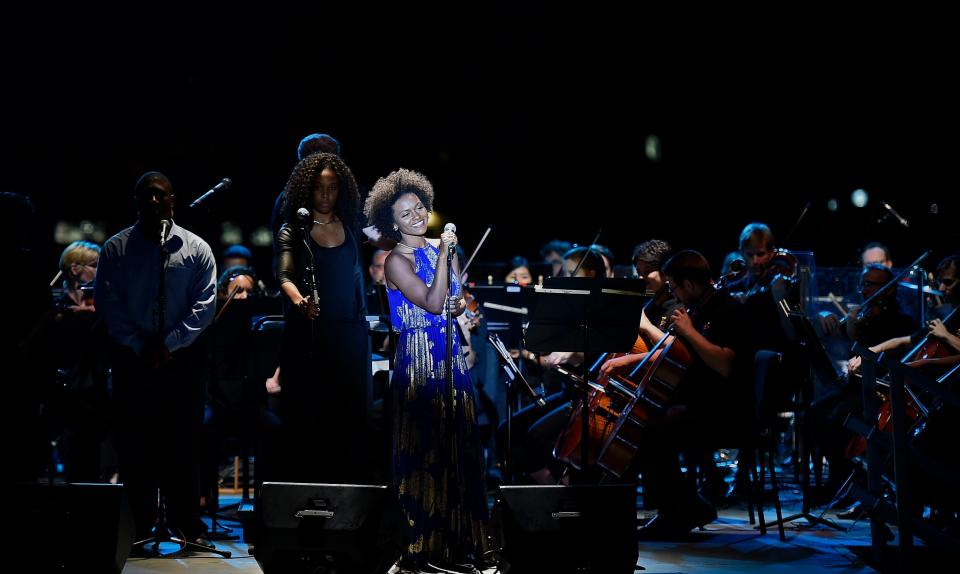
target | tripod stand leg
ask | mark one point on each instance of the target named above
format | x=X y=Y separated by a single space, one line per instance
x=197 y=547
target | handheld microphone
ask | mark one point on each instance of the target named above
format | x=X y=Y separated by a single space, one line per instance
x=894 y=213
x=303 y=215
x=224 y=184
x=453 y=229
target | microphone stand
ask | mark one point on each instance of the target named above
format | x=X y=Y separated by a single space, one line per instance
x=160 y=533
x=311 y=279
x=451 y=390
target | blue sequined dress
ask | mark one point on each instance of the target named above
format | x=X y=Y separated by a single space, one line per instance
x=438 y=471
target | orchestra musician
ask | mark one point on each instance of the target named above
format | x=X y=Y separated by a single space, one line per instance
x=712 y=405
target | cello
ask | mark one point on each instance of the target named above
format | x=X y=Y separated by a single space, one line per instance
x=654 y=382
x=657 y=377
x=606 y=398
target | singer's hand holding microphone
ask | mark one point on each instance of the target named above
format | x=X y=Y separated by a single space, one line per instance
x=449 y=237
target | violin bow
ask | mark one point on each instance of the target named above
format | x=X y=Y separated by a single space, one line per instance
x=233 y=293
x=589 y=250
x=896 y=279
x=797 y=223
x=463 y=272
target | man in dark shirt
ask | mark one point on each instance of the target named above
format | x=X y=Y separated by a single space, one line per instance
x=711 y=406
x=156 y=380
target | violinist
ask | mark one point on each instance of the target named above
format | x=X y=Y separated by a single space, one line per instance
x=947 y=272
x=552 y=253
x=769 y=281
x=881 y=319
x=607 y=257
x=762 y=287
x=519 y=272
x=79 y=405
x=711 y=407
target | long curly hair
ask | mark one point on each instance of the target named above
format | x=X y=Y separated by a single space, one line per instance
x=299 y=190
x=379 y=205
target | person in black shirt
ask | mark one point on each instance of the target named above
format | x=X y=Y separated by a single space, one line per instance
x=712 y=407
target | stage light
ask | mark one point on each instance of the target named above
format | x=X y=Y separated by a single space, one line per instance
x=832 y=204
x=230 y=233
x=859 y=198
x=652 y=147
x=261 y=237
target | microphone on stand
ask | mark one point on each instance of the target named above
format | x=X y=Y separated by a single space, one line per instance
x=453 y=229
x=164 y=229
x=224 y=184
x=894 y=213
x=304 y=215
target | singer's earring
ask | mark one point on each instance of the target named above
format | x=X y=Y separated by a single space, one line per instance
x=396 y=227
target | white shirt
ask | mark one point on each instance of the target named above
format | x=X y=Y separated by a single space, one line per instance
x=127 y=285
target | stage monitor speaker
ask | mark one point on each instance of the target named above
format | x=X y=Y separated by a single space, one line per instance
x=568 y=528
x=322 y=528
x=72 y=527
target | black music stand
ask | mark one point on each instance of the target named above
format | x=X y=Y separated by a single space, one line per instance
x=821 y=366
x=514 y=380
x=506 y=309
x=575 y=314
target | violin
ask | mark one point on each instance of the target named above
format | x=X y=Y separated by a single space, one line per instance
x=472 y=312
x=883 y=294
x=782 y=266
x=873 y=308
x=929 y=348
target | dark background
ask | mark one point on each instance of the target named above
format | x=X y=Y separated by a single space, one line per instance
x=530 y=118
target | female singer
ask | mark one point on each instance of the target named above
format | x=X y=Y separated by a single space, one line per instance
x=437 y=462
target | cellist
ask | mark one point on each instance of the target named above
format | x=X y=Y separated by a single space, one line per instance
x=648 y=257
x=711 y=407
x=535 y=428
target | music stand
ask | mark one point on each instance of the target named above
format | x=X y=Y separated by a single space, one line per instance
x=514 y=376
x=576 y=314
x=821 y=366
x=506 y=309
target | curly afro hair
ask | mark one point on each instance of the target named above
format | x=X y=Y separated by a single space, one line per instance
x=379 y=205
x=302 y=182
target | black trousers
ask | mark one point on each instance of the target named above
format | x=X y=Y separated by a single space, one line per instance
x=665 y=487
x=159 y=417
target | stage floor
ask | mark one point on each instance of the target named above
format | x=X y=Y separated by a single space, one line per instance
x=728 y=545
